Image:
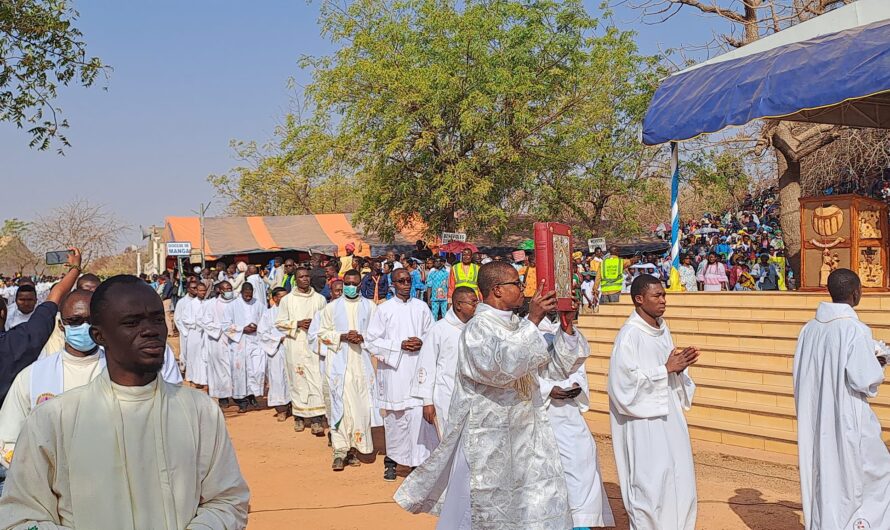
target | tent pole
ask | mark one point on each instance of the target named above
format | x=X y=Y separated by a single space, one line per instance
x=675 y=284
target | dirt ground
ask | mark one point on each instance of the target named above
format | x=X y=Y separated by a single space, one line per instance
x=292 y=484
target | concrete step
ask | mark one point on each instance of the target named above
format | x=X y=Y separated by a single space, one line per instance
x=705 y=340
x=872 y=317
x=788 y=300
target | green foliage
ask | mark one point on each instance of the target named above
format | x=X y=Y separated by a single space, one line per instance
x=14 y=228
x=714 y=181
x=40 y=49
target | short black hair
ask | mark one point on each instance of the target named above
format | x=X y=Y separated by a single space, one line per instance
x=102 y=295
x=26 y=288
x=842 y=285
x=247 y=285
x=277 y=290
x=463 y=290
x=88 y=277
x=641 y=284
x=352 y=272
x=491 y=274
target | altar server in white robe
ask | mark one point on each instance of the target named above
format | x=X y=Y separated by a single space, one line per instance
x=566 y=401
x=196 y=369
x=394 y=338
x=22 y=307
x=259 y=286
x=343 y=325
x=295 y=315
x=185 y=320
x=499 y=433
x=128 y=450
x=248 y=357
x=437 y=364
x=315 y=344
x=844 y=464
x=648 y=391
x=214 y=322
x=272 y=340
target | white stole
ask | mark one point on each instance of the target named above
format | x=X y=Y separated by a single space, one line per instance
x=47 y=377
x=338 y=359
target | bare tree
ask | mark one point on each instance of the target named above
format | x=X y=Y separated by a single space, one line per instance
x=749 y=20
x=90 y=227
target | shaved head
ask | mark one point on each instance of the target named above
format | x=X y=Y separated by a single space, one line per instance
x=492 y=273
x=844 y=287
x=88 y=282
x=74 y=298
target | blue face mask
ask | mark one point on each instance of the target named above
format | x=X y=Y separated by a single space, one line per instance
x=350 y=291
x=78 y=337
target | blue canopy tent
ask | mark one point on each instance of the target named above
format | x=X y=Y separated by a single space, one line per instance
x=832 y=69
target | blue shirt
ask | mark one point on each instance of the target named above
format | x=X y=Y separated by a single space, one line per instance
x=366 y=288
x=417 y=285
x=437 y=280
x=21 y=345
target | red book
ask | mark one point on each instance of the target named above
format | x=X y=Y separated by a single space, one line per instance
x=553 y=257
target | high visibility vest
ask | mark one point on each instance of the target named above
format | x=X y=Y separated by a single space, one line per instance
x=465 y=278
x=611 y=275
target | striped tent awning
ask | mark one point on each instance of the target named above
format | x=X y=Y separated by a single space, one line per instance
x=322 y=234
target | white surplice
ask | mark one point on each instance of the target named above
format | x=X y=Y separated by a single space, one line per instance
x=184 y=318
x=196 y=369
x=303 y=373
x=437 y=366
x=844 y=464
x=276 y=371
x=577 y=450
x=106 y=456
x=259 y=287
x=218 y=347
x=350 y=375
x=14 y=317
x=248 y=358
x=650 y=438
x=409 y=439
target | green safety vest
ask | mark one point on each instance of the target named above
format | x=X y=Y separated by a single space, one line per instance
x=465 y=278
x=611 y=275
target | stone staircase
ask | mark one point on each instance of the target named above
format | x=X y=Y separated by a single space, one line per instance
x=744 y=394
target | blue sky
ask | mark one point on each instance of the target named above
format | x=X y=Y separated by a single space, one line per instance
x=188 y=77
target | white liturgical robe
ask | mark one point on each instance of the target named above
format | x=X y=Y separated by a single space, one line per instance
x=184 y=318
x=437 y=365
x=108 y=456
x=303 y=372
x=499 y=433
x=248 y=358
x=217 y=344
x=14 y=317
x=844 y=464
x=649 y=433
x=350 y=375
x=409 y=439
x=276 y=371
x=196 y=368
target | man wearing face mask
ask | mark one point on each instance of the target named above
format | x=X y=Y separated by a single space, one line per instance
x=350 y=374
x=214 y=322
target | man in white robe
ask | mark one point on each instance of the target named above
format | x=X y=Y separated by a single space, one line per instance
x=499 y=433
x=214 y=322
x=844 y=464
x=393 y=337
x=259 y=286
x=128 y=450
x=648 y=392
x=248 y=357
x=295 y=315
x=196 y=369
x=351 y=379
x=185 y=311
x=240 y=277
x=566 y=401
x=272 y=340
x=437 y=363
x=23 y=306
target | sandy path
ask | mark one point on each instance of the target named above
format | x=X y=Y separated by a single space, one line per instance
x=293 y=486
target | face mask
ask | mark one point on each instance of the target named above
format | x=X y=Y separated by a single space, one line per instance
x=350 y=291
x=78 y=337
x=228 y=296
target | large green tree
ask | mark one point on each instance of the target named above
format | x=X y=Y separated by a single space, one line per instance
x=465 y=114
x=40 y=50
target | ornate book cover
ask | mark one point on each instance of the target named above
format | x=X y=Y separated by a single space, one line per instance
x=553 y=254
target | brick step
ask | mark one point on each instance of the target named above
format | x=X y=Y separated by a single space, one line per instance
x=760 y=299
x=603 y=347
x=741 y=326
x=728 y=390
x=772 y=313
x=765 y=344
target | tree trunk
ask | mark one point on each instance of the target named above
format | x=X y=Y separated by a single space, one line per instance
x=789 y=209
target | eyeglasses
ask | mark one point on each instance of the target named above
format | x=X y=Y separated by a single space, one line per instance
x=473 y=303
x=403 y=280
x=518 y=283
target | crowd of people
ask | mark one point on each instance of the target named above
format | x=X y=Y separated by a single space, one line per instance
x=481 y=407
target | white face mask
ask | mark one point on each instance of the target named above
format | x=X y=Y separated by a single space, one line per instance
x=227 y=296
